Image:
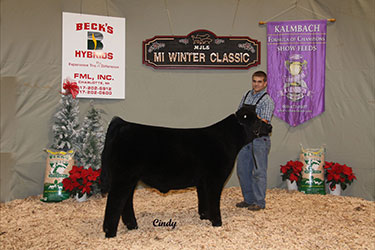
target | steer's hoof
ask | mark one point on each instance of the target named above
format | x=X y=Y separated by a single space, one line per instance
x=132 y=226
x=203 y=216
x=216 y=223
x=110 y=234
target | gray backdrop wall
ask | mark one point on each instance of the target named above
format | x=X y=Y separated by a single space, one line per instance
x=31 y=77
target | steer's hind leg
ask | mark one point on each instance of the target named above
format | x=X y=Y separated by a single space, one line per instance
x=128 y=216
x=115 y=204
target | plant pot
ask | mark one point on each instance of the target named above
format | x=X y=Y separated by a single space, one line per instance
x=291 y=186
x=337 y=190
x=82 y=198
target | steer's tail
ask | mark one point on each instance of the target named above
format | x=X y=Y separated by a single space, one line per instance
x=105 y=176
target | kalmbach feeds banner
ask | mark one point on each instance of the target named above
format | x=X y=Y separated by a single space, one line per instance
x=296 y=68
x=93 y=55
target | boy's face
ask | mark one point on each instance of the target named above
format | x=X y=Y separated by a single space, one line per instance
x=258 y=83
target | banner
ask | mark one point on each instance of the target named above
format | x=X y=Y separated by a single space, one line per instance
x=296 y=68
x=93 y=55
x=201 y=49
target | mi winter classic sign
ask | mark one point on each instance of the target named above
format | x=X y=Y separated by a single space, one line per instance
x=201 y=49
x=94 y=55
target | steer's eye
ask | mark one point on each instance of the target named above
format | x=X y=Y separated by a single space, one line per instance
x=245 y=116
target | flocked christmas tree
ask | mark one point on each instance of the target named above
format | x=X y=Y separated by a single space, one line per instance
x=66 y=126
x=92 y=138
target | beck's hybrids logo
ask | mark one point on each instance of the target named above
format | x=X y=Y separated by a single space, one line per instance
x=94 y=40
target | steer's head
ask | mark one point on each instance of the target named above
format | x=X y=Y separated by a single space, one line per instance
x=254 y=127
x=246 y=115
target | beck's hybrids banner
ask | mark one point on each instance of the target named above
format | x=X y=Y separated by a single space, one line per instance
x=93 y=55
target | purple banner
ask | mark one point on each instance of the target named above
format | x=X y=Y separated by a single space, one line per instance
x=296 y=52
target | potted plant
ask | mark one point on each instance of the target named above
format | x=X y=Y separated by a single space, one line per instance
x=82 y=182
x=291 y=172
x=338 y=176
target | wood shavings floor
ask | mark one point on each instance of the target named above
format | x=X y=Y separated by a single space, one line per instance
x=292 y=220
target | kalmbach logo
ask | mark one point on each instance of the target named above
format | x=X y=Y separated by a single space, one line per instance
x=201 y=49
x=295 y=87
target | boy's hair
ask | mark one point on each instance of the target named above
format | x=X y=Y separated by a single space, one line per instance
x=260 y=74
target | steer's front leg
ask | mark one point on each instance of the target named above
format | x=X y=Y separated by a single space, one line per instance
x=214 y=193
x=202 y=201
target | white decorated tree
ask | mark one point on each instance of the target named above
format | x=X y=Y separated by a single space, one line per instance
x=66 y=125
x=92 y=138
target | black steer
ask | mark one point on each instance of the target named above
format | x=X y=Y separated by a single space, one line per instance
x=171 y=158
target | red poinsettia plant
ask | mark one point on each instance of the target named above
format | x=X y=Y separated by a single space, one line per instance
x=336 y=173
x=81 y=181
x=292 y=171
